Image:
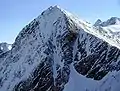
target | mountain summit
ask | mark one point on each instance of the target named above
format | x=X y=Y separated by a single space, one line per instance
x=4 y=47
x=111 y=21
x=59 y=52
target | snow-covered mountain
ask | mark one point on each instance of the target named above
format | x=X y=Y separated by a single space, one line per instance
x=59 y=52
x=4 y=47
x=111 y=21
x=109 y=30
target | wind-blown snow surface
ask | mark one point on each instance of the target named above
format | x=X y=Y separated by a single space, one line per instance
x=57 y=52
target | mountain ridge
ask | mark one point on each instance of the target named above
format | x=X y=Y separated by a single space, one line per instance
x=111 y=21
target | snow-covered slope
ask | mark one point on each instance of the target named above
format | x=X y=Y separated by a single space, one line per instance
x=59 y=52
x=110 y=32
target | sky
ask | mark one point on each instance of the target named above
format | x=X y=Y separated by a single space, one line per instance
x=15 y=14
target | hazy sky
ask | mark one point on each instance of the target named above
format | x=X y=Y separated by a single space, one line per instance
x=15 y=14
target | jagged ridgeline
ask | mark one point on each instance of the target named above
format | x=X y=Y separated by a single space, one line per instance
x=47 y=50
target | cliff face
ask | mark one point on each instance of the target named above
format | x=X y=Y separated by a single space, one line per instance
x=45 y=52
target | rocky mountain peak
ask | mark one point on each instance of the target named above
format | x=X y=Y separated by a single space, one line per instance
x=111 y=21
x=4 y=47
x=53 y=50
x=98 y=22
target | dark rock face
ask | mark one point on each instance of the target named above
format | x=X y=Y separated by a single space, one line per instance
x=42 y=78
x=98 y=62
x=40 y=61
x=98 y=22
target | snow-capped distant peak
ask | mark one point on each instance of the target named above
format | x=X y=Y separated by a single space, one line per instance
x=98 y=22
x=111 y=21
x=4 y=47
